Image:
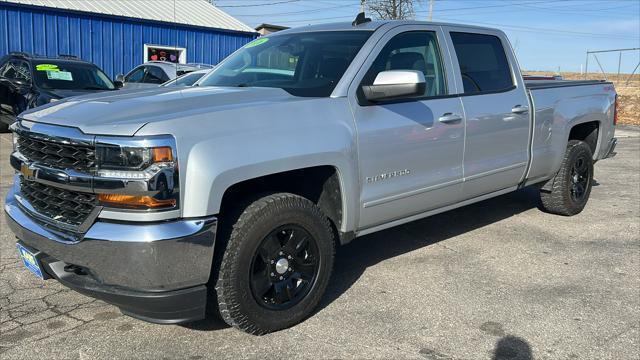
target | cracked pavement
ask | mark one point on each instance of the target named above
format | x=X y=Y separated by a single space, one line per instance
x=495 y=280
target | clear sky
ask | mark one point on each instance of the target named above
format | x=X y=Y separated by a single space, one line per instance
x=547 y=34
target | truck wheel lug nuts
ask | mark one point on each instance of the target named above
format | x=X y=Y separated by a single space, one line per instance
x=281 y=278
x=272 y=274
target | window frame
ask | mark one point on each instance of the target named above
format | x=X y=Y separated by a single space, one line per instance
x=355 y=89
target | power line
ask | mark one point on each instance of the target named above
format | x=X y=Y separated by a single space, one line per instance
x=253 y=5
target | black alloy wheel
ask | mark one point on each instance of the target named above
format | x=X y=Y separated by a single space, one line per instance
x=580 y=178
x=284 y=267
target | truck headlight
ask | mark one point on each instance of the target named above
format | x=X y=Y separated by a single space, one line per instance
x=144 y=171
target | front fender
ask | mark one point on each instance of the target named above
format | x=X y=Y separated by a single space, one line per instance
x=220 y=149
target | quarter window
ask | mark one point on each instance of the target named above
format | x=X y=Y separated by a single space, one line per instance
x=483 y=63
x=415 y=50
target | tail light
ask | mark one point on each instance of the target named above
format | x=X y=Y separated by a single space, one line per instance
x=615 y=111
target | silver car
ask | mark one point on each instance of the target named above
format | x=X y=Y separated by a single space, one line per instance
x=154 y=73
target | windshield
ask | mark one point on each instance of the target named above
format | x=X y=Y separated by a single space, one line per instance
x=303 y=64
x=185 y=80
x=56 y=75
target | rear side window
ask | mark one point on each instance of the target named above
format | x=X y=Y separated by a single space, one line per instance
x=414 y=50
x=483 y=63
x=155 y=75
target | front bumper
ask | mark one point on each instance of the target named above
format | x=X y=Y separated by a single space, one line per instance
x=154 y=271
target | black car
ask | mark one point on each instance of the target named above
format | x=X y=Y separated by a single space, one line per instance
x=27 y=81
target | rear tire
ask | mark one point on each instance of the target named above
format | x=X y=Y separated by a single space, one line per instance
x=276 y=265
x=568 y=191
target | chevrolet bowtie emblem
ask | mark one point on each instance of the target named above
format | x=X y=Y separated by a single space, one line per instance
x=27 y=172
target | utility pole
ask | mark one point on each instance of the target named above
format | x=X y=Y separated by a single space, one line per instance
x=431 y=9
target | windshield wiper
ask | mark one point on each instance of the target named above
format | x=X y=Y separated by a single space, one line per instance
x=90 y=87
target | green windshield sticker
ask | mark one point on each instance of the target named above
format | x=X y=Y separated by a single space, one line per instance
x=59 y=75
x=47 y=67
x=256 y=42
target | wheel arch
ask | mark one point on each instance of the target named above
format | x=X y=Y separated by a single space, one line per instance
x=330 y=186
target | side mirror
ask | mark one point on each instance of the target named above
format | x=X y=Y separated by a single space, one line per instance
x=118 y=84
x=394 y=84
x=120 y=78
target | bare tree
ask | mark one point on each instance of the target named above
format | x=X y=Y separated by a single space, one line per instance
x=393 y=9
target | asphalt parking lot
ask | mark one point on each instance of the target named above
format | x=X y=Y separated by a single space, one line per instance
x=496 y=280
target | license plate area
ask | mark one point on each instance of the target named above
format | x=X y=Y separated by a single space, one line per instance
x=31 y=260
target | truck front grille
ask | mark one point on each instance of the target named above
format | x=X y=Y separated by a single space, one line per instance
x=69 y=207
x=57 y=153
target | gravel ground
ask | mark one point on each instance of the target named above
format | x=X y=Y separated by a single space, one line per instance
x=495 y=280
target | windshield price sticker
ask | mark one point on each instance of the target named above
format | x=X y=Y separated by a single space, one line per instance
x=59 y=75
x=47 y=67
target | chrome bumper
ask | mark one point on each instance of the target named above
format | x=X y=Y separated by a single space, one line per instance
x=150 y=257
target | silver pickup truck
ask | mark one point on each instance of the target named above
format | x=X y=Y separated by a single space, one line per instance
x=231 y=196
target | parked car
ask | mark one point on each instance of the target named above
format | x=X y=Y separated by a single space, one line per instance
x=187 y=79
x=154 y=73
x=27 y=81
x=233 y=195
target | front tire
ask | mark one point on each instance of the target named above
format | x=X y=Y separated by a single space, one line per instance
x=570 y=188
x=277 y=264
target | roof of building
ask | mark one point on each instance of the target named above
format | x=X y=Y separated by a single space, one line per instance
x=188 y=12
x=271 y=26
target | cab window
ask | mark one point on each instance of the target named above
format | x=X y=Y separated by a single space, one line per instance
x=415 y=50
x=483 y=63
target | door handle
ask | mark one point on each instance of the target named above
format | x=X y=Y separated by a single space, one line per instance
x=519 y=109
x=450 y=118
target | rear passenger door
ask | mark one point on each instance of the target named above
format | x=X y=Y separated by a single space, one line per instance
x=410 y=153
x=496 y=110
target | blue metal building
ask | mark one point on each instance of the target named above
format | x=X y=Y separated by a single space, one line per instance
x=117 y=35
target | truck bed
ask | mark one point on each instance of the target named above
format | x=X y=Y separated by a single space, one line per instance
x=548 y=84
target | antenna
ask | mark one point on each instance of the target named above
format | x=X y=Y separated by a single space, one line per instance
x=360 y=19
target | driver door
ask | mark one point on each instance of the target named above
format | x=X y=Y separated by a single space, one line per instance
x=410 y=150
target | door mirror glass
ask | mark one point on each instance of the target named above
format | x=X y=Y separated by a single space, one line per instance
x=118 y=84
x=395 y=84
x=120 y=79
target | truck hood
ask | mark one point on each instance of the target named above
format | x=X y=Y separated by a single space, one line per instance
x=124 y=112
